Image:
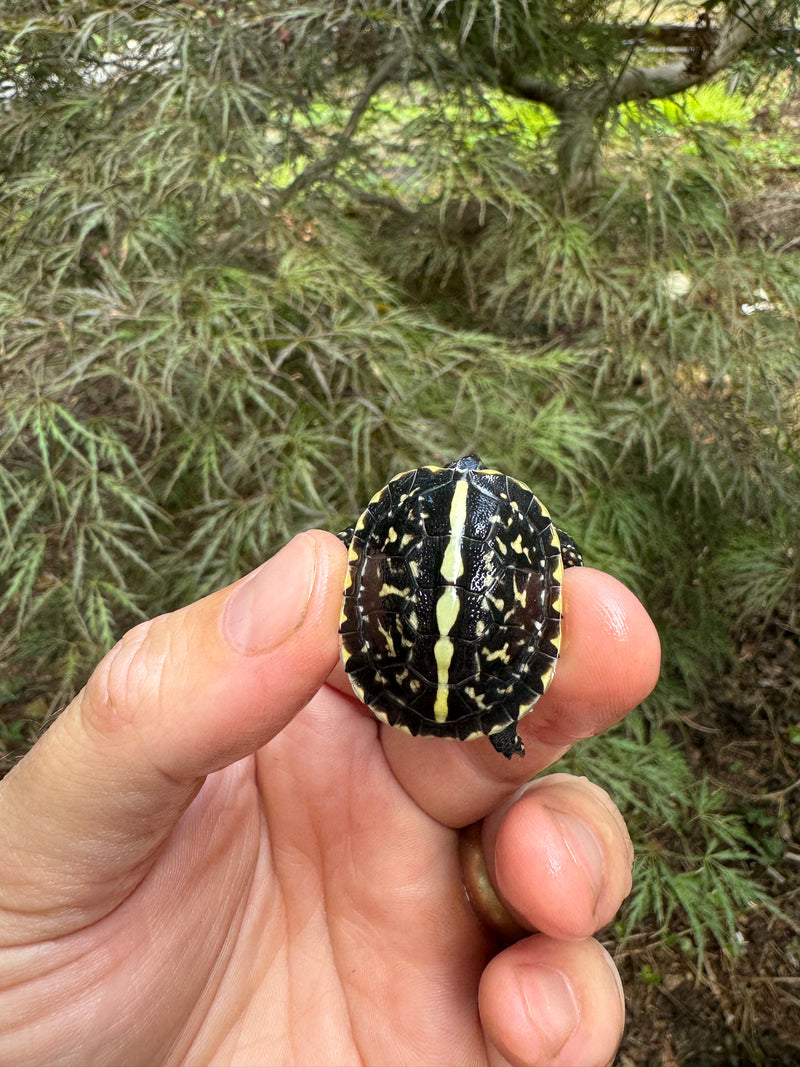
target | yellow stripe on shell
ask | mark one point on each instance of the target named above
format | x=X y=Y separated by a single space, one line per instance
x=447 y=608
x=558 y=568
x=448 y=604
x=452 y=563
x=443 y=653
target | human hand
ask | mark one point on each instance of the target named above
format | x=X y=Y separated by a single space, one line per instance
x=212 y=856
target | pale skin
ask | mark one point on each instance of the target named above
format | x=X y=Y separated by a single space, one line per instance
x=217 y=855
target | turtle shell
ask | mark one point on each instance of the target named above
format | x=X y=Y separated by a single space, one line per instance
x=451 y=620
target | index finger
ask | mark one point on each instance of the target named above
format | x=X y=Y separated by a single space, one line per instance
x=609 y=662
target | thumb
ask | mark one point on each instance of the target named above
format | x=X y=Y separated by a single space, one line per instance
x=84 y=814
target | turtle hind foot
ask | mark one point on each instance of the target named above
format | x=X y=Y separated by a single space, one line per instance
x=508 y=742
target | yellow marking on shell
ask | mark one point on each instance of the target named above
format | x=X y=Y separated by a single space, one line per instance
x=477 y=698
x=392 y=590
x=391 y=534
x=448 y=604
x=556 y=642
x=499 y=653
x=547 y=676
x=385 y=718
x=358 y=690
x=479 y=733
x=443 y=654
x=387 y=638
x=352 y=557
x=452 y=563
x=447 y=608
x=558 y=604
x=517 y=544
x=558 y=569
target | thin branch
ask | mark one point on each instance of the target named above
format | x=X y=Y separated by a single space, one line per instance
x=372 y=199
x=329 y=161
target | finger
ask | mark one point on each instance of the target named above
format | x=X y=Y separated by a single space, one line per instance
x=559 y=856
x=609 y=662
x=552 y=1003
x=178 y=697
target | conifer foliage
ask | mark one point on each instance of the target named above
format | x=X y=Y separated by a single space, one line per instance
x=258 y=256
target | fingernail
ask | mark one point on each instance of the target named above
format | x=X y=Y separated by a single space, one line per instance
x=550 y=1003
x=272 y=602
x=582 y=844
x=617 y=980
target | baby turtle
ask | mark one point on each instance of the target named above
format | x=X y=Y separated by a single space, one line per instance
x=451 y=622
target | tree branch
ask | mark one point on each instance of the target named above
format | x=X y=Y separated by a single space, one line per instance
x=540 y=91
x=650 y=83
x=329 y=161
x=579 y=110
x=643 y=83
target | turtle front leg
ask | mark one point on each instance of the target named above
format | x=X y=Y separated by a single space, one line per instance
x=346 y=536
x=570 y=553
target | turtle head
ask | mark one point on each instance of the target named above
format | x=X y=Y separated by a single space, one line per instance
x=472 y=462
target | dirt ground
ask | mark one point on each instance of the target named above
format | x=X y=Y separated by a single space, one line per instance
x=744 y=1010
